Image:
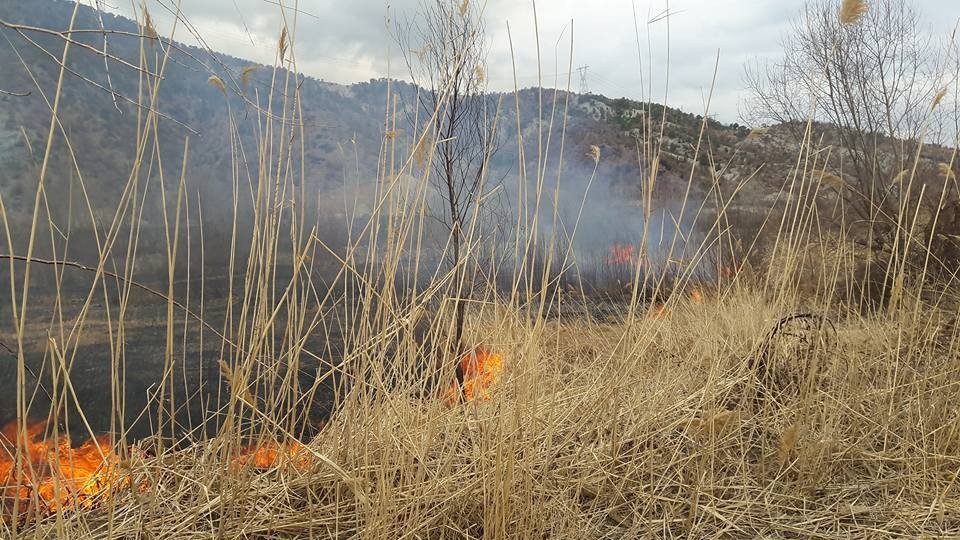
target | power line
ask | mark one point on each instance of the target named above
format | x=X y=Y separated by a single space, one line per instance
x=584 y=88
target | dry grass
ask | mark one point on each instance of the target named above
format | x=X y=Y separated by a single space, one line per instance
x=601 y=433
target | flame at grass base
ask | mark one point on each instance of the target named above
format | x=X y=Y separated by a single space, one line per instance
x=620 y=254
x=481 y=368
x=696 y=297
x=270 y=454
x=52 y=472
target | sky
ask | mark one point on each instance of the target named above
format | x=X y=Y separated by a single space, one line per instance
x=347 y=41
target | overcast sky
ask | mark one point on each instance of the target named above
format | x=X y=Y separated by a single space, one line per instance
x=348 y=40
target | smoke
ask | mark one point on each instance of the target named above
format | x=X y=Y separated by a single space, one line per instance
x=595 y=226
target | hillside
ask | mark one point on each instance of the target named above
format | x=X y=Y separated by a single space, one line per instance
x=343 y=131
x=336 y=117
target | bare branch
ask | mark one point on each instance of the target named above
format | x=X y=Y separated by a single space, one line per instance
x=106 y=65
x=22 y=29
x=98 y=85
x=868 y=84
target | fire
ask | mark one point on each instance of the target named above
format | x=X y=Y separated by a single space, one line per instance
x=271 y=454
x=481 y=368
x=59 y=475
x=620 y=254
x=658 y=311
x=696 y=296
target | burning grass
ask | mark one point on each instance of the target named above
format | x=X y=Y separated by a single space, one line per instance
x=621 y=255
x=481 y=368
x=49 y=475
x=272 y=454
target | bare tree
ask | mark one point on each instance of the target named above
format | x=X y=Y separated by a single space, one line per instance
x=869 y=80
x=446 y=51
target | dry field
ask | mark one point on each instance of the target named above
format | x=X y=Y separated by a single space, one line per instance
x=659 y=427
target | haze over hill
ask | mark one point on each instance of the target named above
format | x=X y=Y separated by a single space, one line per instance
x=335 y=116
x=343 y=137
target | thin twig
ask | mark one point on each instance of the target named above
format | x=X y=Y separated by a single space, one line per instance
x=22 y=28
x=102 y=87
x=8 y=349
x=106 y=64
x=113 y=275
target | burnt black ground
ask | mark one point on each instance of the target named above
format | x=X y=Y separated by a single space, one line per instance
x=199 y=389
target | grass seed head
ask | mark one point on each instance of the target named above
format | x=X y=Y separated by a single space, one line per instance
x=594 y=153
x=422 y=151
x=938 y=98
x=282 y=45
x=217 y=83
x=852 y=11
x=946 y=171
x=246 y=73
x=149 y=30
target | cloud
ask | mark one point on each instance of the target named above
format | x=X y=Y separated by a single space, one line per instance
x=349 y=41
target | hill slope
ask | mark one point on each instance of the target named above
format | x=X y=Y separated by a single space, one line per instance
x=336 y=117
x=343 y=129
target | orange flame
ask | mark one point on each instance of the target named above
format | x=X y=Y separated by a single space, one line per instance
x=696 y=296
x=59 y=475
x=481 y=368
x=621 y=254
x=658 y=311
x=271 y=454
